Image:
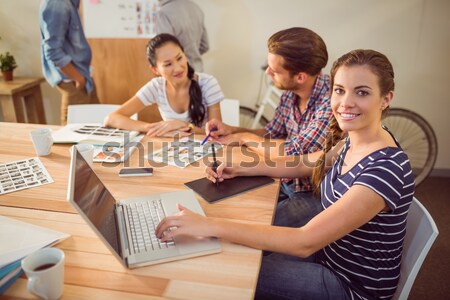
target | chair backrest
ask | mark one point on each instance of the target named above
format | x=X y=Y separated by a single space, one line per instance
x=421 y=232
x=90 y=113
x=230 y=111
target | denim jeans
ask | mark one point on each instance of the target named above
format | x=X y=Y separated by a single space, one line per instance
x=297 y=210
x=288 y=277
x=287 y=189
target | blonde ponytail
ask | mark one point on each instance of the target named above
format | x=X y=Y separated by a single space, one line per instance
x=334 y=135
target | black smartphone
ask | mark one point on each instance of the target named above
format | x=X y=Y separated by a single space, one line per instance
x=135 y=172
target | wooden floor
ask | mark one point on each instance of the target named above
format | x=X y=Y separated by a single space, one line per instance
x=433 y=280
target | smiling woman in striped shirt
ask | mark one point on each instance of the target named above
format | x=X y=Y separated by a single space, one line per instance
x=352 y=249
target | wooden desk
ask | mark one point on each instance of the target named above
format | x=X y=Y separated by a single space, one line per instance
x=21 y=100
x=91 y=271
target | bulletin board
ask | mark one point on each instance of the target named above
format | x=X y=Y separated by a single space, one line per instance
x=119 y=18
x=120 y=66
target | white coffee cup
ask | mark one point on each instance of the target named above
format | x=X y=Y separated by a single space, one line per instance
x=45 y=271
x=42 y=141
x=87 y=151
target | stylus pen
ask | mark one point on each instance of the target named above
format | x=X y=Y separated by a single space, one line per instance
x=207 y=137
x=214 y=166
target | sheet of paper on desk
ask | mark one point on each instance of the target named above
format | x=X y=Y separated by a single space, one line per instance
x=183 y=152
x=19 y=239
x=113 y=154
x=94 y=133
x=23 y=174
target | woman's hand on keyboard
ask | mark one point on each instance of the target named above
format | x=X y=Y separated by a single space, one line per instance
x=186 y=222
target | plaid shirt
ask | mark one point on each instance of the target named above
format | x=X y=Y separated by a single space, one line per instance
x=304 y=133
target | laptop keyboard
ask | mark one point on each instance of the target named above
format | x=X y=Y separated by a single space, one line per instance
x=143 y=218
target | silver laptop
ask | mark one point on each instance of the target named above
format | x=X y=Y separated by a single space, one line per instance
x=127 y=227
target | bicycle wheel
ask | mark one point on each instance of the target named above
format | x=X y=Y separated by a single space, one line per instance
x=247 y=115
x=417 y=138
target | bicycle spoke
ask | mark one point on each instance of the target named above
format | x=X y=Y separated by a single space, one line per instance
x=417 y=139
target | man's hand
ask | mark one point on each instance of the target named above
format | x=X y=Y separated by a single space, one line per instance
x=80 y=84
x=220 y=173
x=75 y=76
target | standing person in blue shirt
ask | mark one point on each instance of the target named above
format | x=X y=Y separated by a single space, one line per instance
x=352 y=249
x=66 y=55
x=185 y=20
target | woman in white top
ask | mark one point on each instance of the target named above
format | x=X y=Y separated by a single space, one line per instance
x=185 y=99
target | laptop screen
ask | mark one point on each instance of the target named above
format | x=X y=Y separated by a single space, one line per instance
x=96 y=202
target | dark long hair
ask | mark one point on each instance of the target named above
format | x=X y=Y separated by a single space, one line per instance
x=197 y=110
x=379 y=64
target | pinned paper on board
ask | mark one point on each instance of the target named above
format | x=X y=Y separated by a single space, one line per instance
x=126 y=18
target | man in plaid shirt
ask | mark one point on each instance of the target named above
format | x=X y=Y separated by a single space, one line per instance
x=295 y=60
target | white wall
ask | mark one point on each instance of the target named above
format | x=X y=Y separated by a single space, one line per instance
x=414 y=34
x=19 y=30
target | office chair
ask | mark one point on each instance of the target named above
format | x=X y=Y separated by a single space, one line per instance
x=90 y=113
x=230 y=111
x=421 y=232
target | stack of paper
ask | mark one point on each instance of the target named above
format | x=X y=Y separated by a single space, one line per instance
x=20 y=239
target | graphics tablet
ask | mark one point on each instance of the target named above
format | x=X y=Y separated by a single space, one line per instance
x=227 y=188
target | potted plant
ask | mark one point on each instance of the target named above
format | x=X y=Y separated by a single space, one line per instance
x=7 y=65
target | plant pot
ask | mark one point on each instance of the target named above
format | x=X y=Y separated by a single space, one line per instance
x=7 y=75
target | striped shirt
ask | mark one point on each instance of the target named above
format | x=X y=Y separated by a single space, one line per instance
x=155 y=92
x=368 y=259
x=304 y=133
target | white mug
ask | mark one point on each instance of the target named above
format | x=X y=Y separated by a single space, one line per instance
x=87 y=151
x=42 y=141
x=45 y=271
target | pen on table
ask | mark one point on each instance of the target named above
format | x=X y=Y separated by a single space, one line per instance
x=214 y=166
x=207 y=137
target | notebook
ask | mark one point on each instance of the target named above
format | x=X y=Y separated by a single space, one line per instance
x=212 y=192
x=126 y=226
